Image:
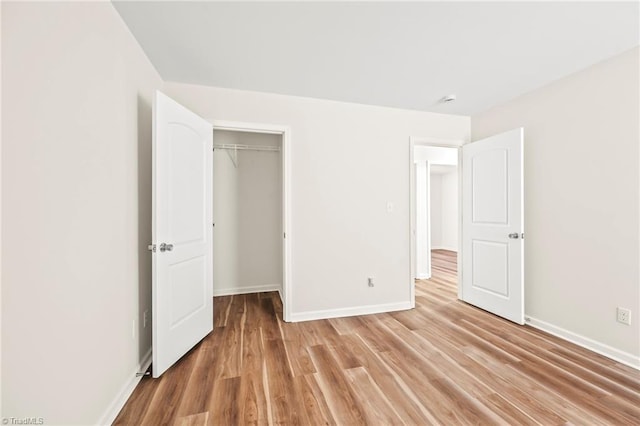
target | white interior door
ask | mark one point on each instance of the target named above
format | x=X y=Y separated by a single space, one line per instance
x=182 y=231
x=493 y=226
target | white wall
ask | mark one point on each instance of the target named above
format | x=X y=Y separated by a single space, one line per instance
x=248 y=215
x=444 y=209
x=341 y=230
x=260 y=214
x=449 y=215
x=582 y=207
x=76 y=149
x=436 y=211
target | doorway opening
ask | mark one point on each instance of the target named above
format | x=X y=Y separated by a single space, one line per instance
x=435 y=215
x=250 y=210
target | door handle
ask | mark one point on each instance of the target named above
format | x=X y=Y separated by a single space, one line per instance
x=166 y=247
x=513 y=236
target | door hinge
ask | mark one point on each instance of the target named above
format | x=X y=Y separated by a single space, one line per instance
x=151 y=247
x=285 y=235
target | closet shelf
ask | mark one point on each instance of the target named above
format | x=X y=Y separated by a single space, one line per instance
x=240 y=147
x=233 y=149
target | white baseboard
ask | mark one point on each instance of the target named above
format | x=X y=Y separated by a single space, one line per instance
x=597 y=347
x=244 y=290
x=349 y=312
x=125 y=392
x=423 y=276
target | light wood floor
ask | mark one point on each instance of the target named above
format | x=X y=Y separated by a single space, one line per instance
x=444 y=362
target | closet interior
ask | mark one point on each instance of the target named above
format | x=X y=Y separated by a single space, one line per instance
x=247 y=212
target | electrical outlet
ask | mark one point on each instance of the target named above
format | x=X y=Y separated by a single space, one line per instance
x=624 y=315
x=145 y=318
x=370 y=282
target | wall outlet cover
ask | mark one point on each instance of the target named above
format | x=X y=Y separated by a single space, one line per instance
x=623 y=315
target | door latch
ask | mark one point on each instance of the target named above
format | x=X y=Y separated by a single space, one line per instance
x=513 y=236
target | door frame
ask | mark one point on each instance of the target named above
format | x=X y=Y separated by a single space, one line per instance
x=441 y=143
x=285 y=133
x=428 y=214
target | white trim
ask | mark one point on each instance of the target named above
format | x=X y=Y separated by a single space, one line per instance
x=287 y=284
x=412 y=225
x=444 y=248
x=595 y=346
x=444 y=143
x=237 y=126
x=459 y=257
x=350 y=312
x=428 y=214
x=423 y=276
x=243 y=147
x=285 y=132
x=426 y=166
x=126 y=391
x=246 y=290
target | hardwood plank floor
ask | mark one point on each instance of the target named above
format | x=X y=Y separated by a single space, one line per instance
x=444 y=362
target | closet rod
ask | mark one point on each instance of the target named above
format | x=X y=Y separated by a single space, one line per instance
x=240 y=147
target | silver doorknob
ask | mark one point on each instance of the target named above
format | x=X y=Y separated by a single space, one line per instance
x=513 y=236
x=166 y=247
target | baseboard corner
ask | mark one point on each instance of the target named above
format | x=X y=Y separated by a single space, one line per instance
x=231 y=291
x=349 y=312
x=127 y=389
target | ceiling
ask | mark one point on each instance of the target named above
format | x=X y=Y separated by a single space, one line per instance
x=395 y=54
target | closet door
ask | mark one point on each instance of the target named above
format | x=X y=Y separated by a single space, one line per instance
x=182 y=231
